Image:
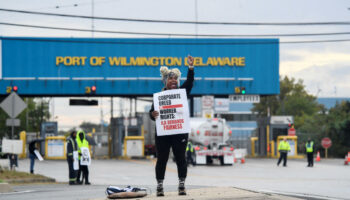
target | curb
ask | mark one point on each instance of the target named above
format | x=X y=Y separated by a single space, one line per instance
x=5 y=187
x=31 y=180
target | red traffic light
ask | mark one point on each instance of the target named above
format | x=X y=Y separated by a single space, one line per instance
x=15 y=88
x=93 y=88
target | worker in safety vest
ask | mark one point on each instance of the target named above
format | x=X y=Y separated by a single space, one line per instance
x=190 y=153
x=283 y=148
x=72 y=147
x=310 y=152
x=82 y=142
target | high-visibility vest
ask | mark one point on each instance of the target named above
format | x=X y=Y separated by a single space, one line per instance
x=309 y=147
x=81 y=143
x=284 y=146
x=189 y=147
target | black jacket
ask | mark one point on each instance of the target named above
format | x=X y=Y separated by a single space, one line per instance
x=188 y=84
x=71 y=146
x=31 y=147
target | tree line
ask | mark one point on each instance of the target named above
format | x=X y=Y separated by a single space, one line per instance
x=311 y=119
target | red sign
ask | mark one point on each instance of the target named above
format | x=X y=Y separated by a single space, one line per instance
x=326 y=142
x=291 y=131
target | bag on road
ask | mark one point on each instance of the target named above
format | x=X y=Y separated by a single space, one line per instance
x=114 y=192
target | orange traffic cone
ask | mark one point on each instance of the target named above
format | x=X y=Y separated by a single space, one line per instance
x=242 y=160
x=346 y=160
x=348 y=156
x=318 y=157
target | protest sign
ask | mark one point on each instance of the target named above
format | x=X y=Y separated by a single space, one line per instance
x=85 y=158
x=173 y=111
x=75 y=160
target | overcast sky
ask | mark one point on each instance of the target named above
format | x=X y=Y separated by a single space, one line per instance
x=324 y=67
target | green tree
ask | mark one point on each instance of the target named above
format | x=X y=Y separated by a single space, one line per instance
x=87 y=127
x=292 y=100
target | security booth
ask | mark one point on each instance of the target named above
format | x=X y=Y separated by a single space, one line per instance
x=123 y=131
x=134 y=146
x=55 y=147
x=269 y=128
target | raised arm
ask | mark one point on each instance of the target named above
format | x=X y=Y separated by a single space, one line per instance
x=188 y=84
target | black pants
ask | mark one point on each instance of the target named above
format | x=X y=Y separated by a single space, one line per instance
x=178 y=143
x=72 y=172
x=310 y=159
x=85 y=170
x=283 y=155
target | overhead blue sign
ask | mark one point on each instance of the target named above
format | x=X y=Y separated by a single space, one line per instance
x=123 y=67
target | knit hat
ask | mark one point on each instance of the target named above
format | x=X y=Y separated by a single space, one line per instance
x=167 y=73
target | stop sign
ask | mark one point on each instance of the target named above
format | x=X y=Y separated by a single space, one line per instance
x=291 y=131
x=326 y=142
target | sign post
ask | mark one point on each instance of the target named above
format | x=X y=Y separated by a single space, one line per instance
x=326 y=143
x=13 y=105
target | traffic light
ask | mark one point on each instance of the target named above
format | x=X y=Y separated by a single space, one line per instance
x=240 y=90
x=10 y=89
x=90 y=90
x=15 y=88
x=93 y=89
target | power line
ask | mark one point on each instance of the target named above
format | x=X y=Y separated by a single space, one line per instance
x=177 y=34
x=197 y=42
x=184 y=22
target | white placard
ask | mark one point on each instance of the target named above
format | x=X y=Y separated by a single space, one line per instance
x=38 y=155
x=12 y=146
x=75 y=160
x=244 y=98
x=174 y=116
x=292 y=147
x=134 y=147
x=207 y=102
x=281 y=120
x=85 y=158
x=222 y=105
x=55 y=148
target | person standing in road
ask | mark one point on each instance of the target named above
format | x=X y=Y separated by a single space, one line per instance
x=82 y=142
x=72 y=147
x=283 y=148
x=310 y=152
x=178 y=142
x=189 y=154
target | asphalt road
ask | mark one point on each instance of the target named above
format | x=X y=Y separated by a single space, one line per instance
x=328 y=179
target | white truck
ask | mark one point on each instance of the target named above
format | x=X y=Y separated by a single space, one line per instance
x=209 y=137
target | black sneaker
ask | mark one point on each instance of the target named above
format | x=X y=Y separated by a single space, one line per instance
x=182 y=190
x=160 y=192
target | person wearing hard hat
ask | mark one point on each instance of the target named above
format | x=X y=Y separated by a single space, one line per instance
x=283 y=148
x=178 y=142
x=309 y=146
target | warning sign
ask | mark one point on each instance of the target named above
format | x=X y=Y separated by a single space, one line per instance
x=173 y=111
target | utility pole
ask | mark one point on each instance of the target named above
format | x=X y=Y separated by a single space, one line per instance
x=111 y=107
